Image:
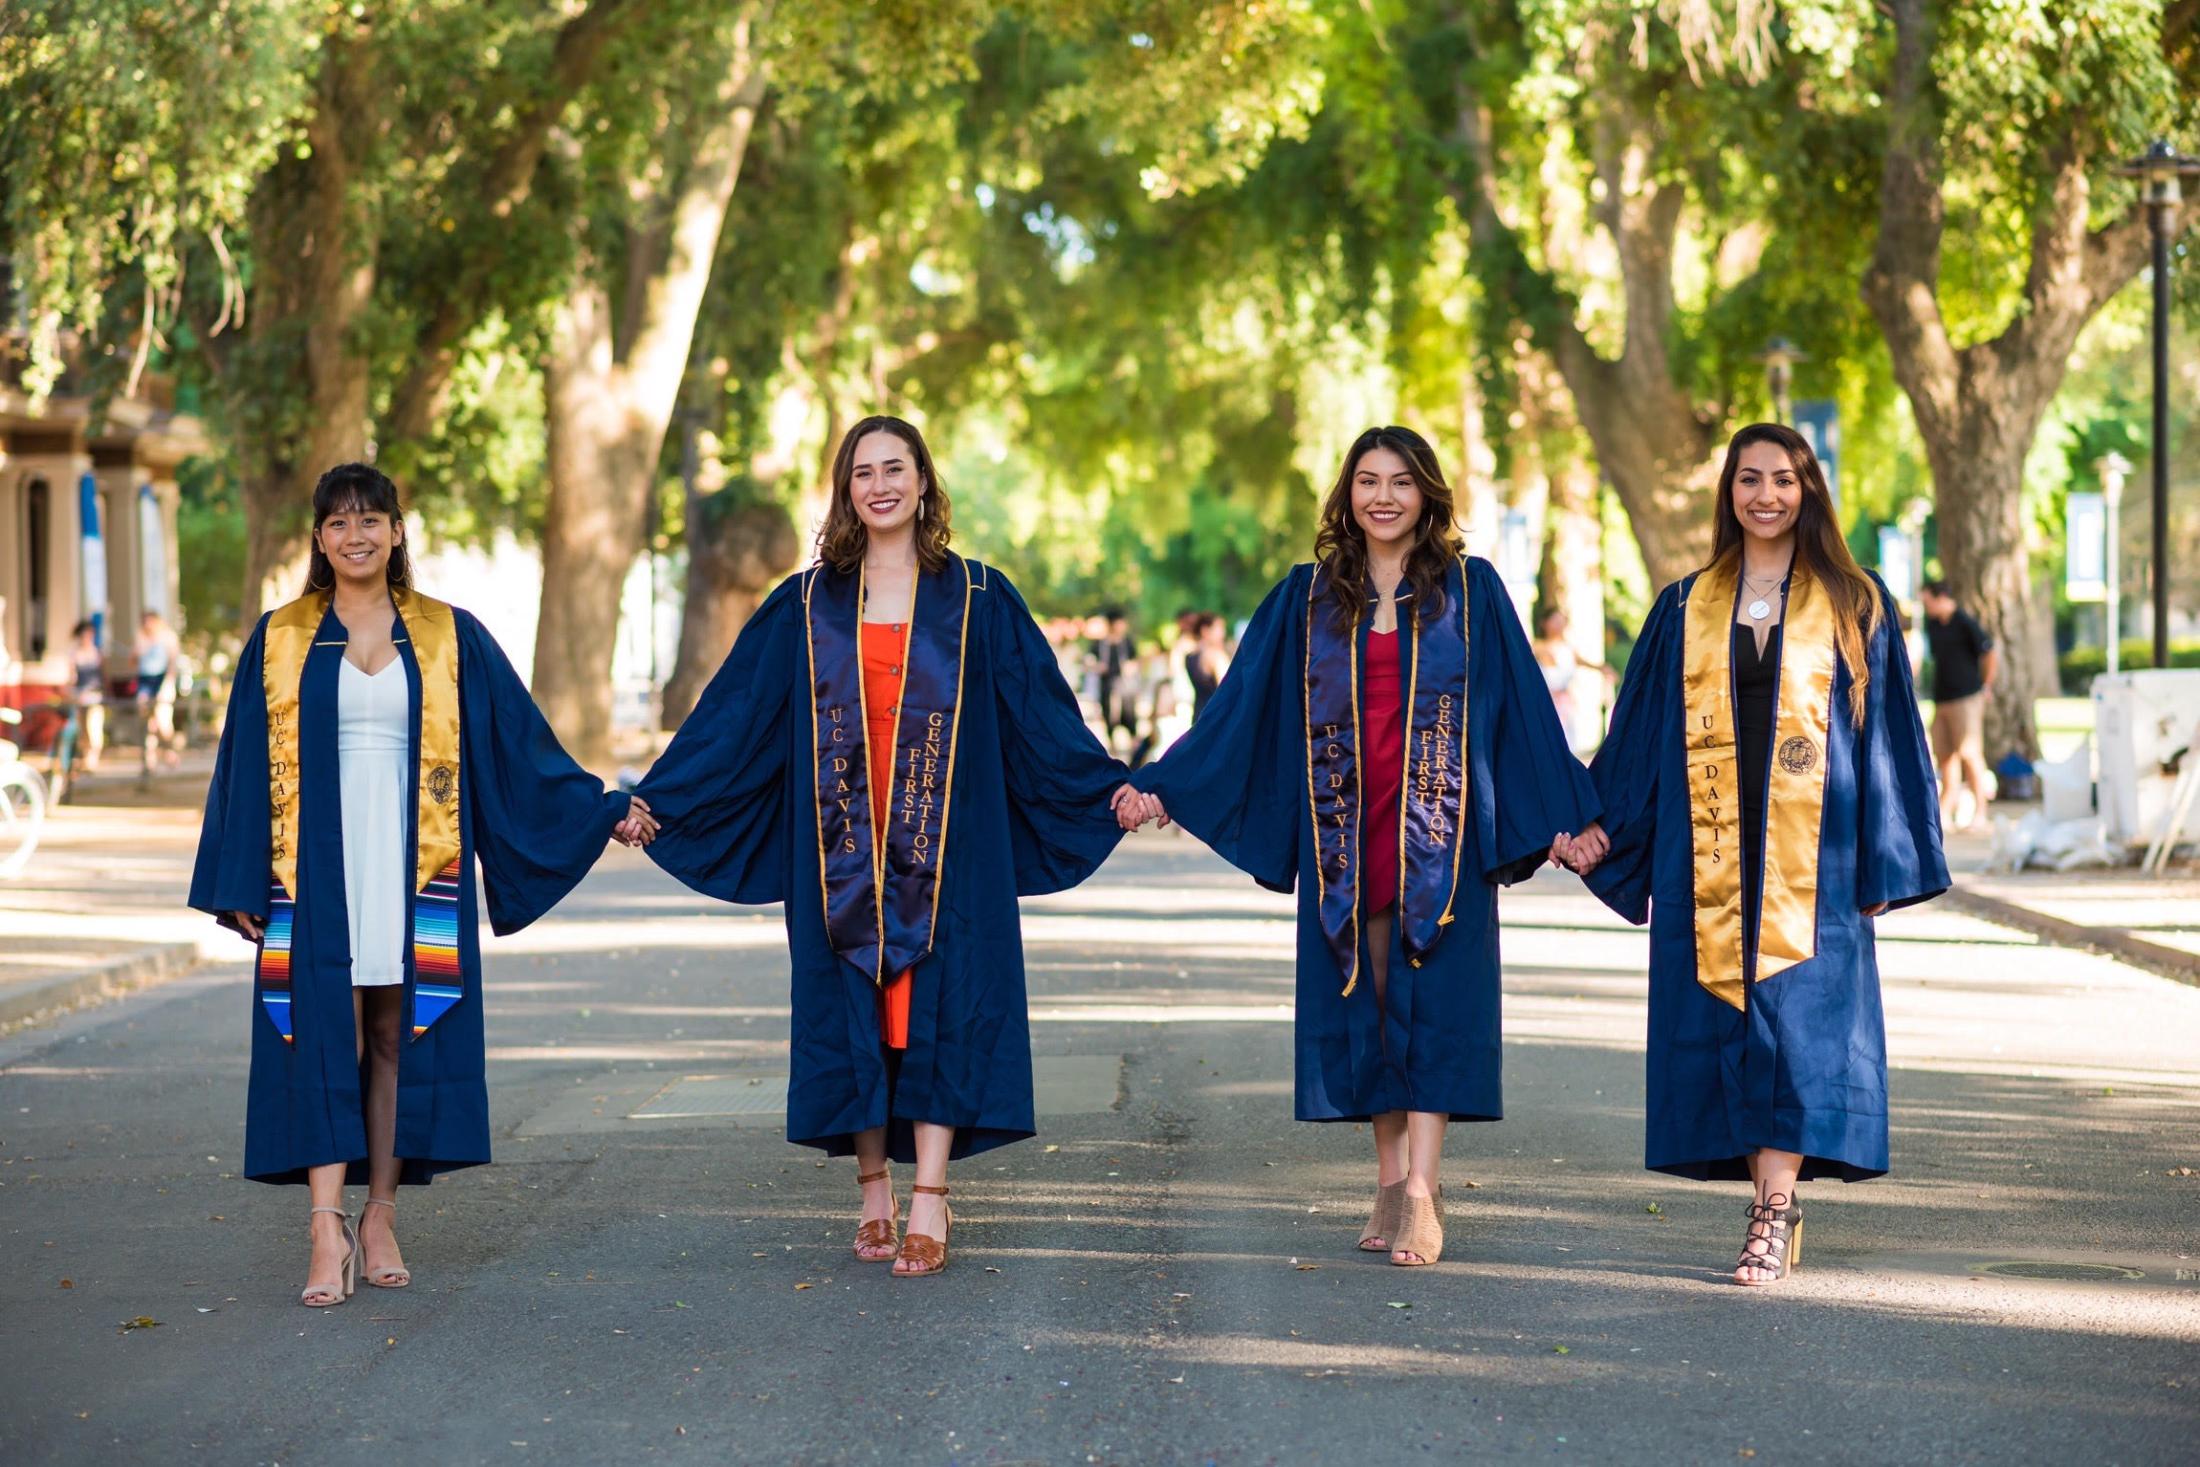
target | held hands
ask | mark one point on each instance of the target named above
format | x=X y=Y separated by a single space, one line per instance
x=1134 y=808
x=254 y=928
x=1581 y=853
x=639 y=827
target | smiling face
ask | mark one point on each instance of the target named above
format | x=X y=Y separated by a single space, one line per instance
x=1386 y=501
x=1768 y=492
x=357 y=541
x=884 y=484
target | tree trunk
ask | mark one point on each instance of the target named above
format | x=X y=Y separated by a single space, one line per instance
x=1978 y=407
x=1572 y=578
x=313 y=277
x=1652 y=440
x=735 y=555
x=1984 y=558
x=609 y=399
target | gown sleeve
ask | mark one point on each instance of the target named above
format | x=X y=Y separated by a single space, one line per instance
x=1898 y=854
x=1626 y=767
x=1236 y=778
x=1532 y=787
x=233 y=868
x=540 y=820
x=719 y=789
x=1059 y=777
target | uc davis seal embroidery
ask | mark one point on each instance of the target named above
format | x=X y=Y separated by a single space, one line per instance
x=1798 y=755
x=443 y=781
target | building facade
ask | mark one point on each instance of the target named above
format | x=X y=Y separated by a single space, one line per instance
x=88 y=507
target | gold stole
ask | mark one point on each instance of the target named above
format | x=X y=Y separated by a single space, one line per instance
x=1795 y=800
x=433 y=631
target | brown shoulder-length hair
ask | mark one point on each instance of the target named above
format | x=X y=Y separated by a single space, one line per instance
x=1340 y=546
x=355 y=489
x=841 y=541
x=1819 y=550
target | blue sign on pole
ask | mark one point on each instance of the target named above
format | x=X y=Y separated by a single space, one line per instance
x=1818 y=419
x=94 y=600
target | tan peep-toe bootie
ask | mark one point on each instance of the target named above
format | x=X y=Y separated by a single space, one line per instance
x=1420 y=1231
x=1382 y=1222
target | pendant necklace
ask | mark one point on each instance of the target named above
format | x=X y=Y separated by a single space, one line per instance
x=1760 y=608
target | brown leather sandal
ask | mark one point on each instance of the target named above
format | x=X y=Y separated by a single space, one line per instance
x=928 y=1254
x=879 y=1232
x=1420 y=1231
x=1382 y=1223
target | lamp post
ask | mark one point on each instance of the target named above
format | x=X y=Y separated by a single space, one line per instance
x=2113 y=468
x=1780 y=357
x=2161 y=169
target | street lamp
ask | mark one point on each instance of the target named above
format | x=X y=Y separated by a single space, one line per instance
x=1780 y=357
x=2161 y=169
x=2113 y=468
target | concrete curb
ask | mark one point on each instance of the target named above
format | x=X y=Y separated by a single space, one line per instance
x=132 y=971
x=2154 y=957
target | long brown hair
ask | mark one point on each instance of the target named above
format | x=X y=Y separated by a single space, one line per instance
x=841 y=541
x=356 y=489
x=1819 y=550
x=1340 y=545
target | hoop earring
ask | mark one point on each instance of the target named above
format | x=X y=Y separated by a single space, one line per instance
x=920 y=506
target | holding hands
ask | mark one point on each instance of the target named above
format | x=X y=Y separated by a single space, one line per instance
x=1134 y=808
x=639 y=827
x=1580 y=853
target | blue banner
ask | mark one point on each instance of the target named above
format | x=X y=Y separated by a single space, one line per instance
x=1818 y=419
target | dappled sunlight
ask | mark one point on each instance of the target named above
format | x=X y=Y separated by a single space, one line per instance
x=608 y=939
x=668 y=1051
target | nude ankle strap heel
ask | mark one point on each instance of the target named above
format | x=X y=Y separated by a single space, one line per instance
x=328 y=1296
x=386 y=1278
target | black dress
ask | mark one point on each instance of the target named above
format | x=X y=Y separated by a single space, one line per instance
x=1756 y=691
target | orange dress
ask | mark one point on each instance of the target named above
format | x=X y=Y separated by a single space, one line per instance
x=884 y=645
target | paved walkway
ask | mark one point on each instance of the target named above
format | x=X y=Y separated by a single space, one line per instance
x=1165 y=1275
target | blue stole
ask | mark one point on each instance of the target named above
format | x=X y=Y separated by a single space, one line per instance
x=882 y=897
x=1432 y=798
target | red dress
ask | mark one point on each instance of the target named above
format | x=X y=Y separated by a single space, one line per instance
x=884 y=644
x=1382 y=770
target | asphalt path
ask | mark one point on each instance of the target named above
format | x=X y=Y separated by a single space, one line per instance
x=649 y=1272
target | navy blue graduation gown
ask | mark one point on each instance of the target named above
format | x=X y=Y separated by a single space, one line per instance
x=536 y=820
x=1238 y=781
x=736 y=793
x=1802 y=1066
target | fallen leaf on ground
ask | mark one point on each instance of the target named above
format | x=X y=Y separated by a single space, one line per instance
x=1561 y=1350
x=143 y=1321
x=1653 y=1209
x=1306 y=1267
x=1054 y=1148
x=68 y=1283
x=1395 y=1304
x=800 y=1287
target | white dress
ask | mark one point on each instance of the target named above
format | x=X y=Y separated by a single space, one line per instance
x=373 y=752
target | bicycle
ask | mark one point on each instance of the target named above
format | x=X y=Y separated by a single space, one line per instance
x=22 y=803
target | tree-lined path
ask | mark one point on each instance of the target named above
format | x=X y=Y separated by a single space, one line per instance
x=1165 y=1275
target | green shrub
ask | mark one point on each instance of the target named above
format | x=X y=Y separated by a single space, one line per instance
x=2080 y=665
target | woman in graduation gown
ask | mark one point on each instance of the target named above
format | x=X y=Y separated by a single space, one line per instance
x=1383 y=740
x=890 y=751
x=377 y=743
x=1767 y=792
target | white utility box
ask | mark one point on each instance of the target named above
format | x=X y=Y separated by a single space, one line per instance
x=2141 y=722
